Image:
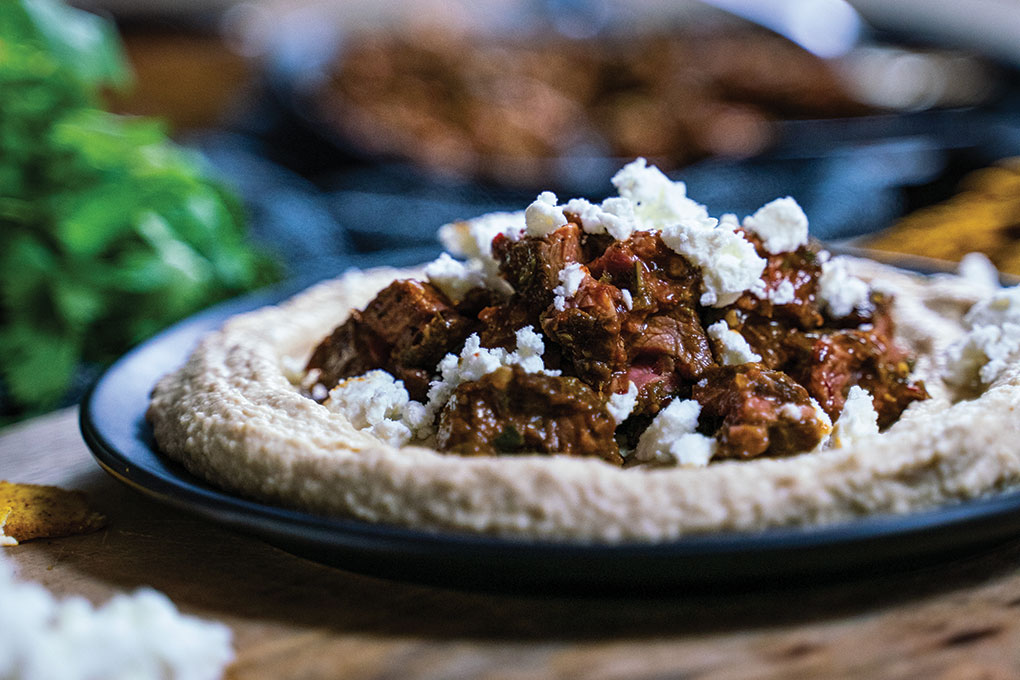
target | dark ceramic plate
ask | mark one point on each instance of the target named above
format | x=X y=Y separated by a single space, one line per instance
x=113 y=425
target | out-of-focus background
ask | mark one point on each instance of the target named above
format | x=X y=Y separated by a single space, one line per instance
x=157 y=157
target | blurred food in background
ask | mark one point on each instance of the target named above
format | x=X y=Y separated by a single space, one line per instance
x=185 y=73
x=983 y=217
x=508 y=108
x=503 y=109
x=110 y=232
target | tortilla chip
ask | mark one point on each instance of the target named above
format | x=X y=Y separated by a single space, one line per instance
x=30 y=511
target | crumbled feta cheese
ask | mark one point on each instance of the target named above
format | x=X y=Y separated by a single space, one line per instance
x=781 y=225
x=729 y=264
x=791 y=411
x=621 y=405
x=543 y=216
x=379 y=403
x=672 y=437
x=826 y=422
x=571 y=278
x=857 y=420
x=732 y=347
x=319 y=392
x=1001 y=307
x=979 y=270
x=658 y=201
x=476 y=361
x=614 y=216
x=138 y=637
x=993 y=339
x=628 y=299
x=455 y=278
x=472 y=239
x=783 y=294
x=840 y=291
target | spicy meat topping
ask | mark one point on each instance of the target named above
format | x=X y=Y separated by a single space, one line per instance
x=618 y=329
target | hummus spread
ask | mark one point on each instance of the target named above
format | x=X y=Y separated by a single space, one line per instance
x=239 y=413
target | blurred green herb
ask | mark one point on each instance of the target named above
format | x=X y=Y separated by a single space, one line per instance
x=108 y=231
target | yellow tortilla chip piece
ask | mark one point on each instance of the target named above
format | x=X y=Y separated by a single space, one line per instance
x=30 y=511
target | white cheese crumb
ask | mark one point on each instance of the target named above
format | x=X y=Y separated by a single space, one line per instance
x=472 y=239
x=621 y=405
x=840 y=291
x=783 y=294
x=455 y=278
x=993 y=339
x=1000 y=308
x=979 y=270
x=571 y=278
x=672 y=438
x=628 y=299
x=781 y=225
x=132 y=637
x=826 y=421
x=614 y=216
x=791 y=411
x=732 y=347
x=857 y=421
x=658 y=201
x=543 y=216
x=729 y=264
x=379 y=403
x=475 y=362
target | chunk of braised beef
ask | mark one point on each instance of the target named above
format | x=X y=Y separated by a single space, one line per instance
x=790 y=275
x=677 y=334
x=849 y=357
x=500 y=323
x=510 y=411
x=656 y=276
x=406 y=329
x=532 y=265
x=754 y=411
x=588 y=331
x=828 y=361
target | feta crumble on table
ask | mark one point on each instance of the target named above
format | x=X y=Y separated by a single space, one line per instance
x=672 y=437
x=857 y=420
x=571 y=278
x=733 y=349
x=379 y=403
x=141 y=636
x=781 y=225
x=840 y=291
x=621 y=405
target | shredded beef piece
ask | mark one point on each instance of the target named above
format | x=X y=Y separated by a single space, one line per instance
x=511 y=411
x=801 y=269
x=588 y=330
x=754 y=411
x=829 y=361
x=658 y=343
x=532 y=265
x=406 y=330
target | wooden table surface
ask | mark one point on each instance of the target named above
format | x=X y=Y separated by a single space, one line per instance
x=293 y=618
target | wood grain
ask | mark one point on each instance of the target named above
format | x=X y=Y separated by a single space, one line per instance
x=296 y=619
